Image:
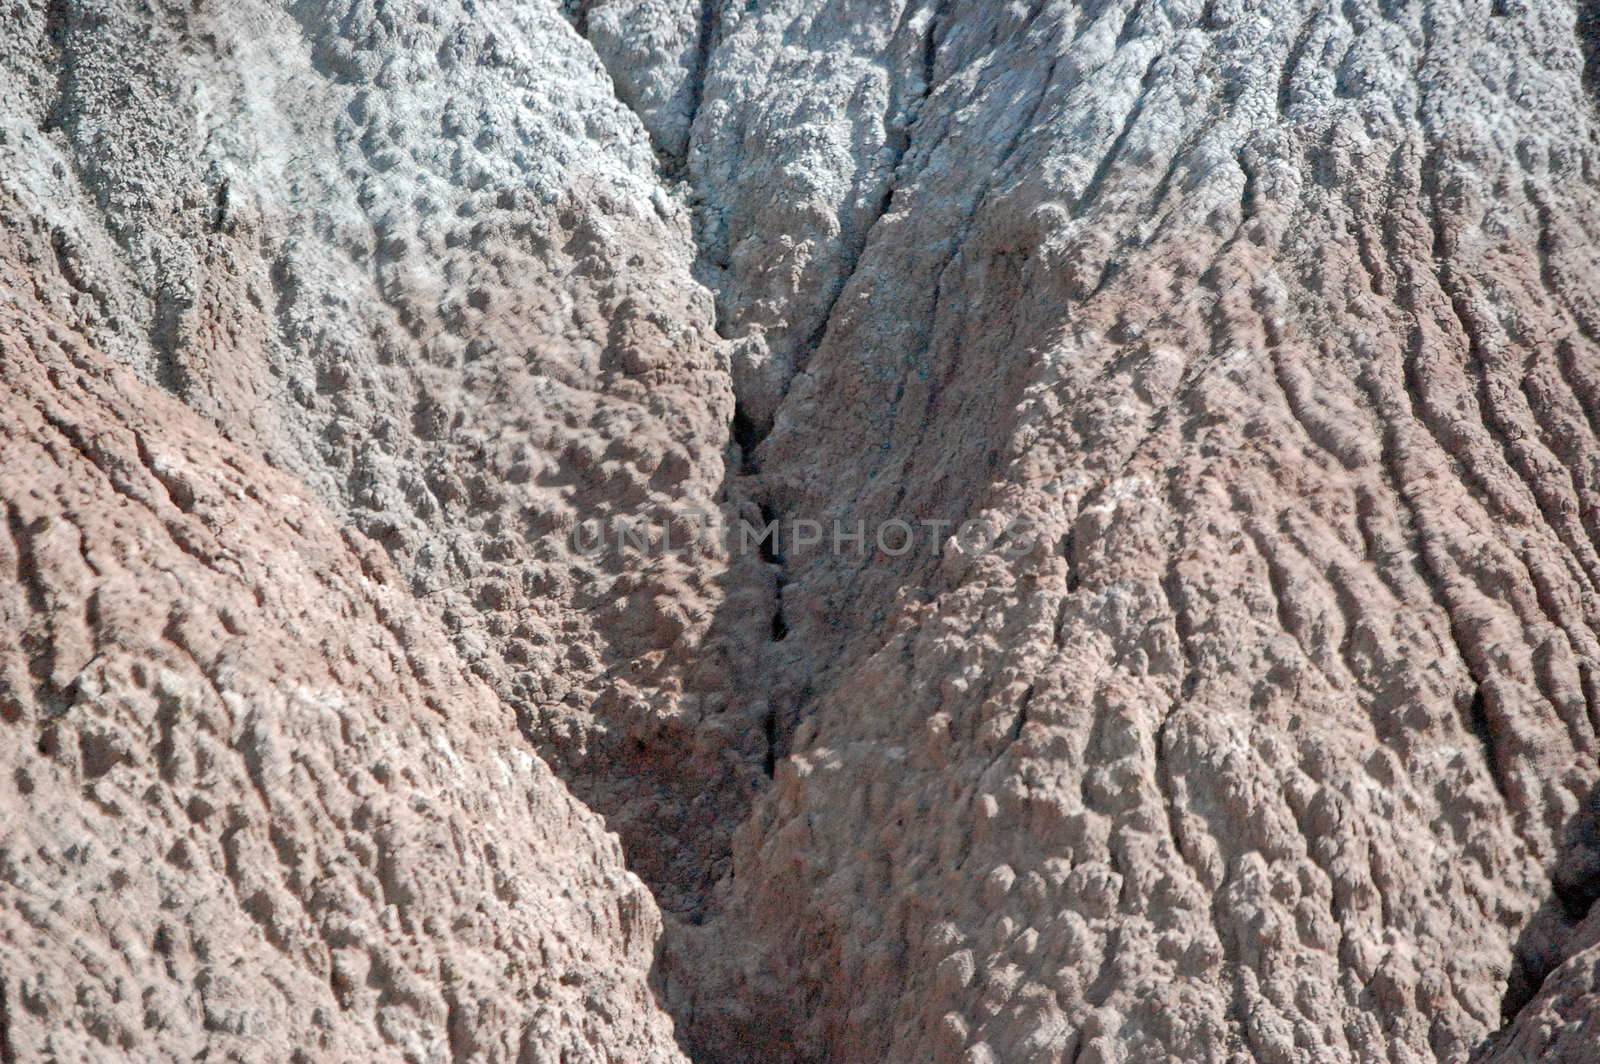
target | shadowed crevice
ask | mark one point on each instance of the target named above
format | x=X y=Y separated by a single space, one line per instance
x=1588 y=32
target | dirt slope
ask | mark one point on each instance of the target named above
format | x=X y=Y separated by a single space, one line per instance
x=1255 y=345
x=255 y=807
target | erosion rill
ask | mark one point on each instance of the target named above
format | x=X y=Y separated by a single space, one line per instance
x=1232 y=366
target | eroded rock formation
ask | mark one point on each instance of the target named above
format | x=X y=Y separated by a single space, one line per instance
x=256 y=808
x=1263 y=337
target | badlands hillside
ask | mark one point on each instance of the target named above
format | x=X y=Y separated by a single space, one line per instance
x=1180 y=419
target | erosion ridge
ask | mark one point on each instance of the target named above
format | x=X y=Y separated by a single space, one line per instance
x=1274 y=324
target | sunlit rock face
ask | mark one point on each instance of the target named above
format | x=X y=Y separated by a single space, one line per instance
x=1235 y=368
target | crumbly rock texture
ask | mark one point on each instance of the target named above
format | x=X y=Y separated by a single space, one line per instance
x=1255 y=343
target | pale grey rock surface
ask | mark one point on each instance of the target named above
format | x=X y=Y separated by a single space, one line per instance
x=1276 y=323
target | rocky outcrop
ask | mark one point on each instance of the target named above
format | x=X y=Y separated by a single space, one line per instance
x=420 y=258
x=1235 y=368
x=1276 y=327
x=255 y=806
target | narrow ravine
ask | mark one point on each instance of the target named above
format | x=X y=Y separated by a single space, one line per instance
x=374 y=374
